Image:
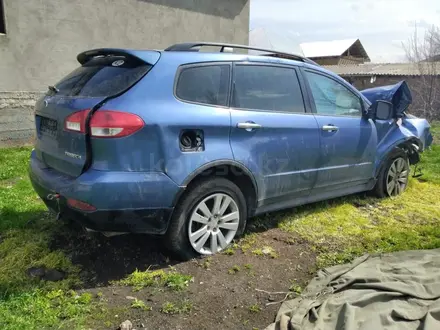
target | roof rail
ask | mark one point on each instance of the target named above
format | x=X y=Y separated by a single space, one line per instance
x=195 y=47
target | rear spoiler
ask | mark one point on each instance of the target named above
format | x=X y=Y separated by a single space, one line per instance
x=148 y=56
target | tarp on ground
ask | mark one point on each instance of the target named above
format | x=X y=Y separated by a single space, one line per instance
x=392 y=291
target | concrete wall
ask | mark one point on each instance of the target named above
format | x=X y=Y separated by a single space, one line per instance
x=44 y=36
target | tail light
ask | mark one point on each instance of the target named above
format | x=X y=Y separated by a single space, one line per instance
x=80 y=205
x=105 y=123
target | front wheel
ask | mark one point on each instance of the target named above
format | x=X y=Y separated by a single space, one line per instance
x=210 y=215
x=394 y=175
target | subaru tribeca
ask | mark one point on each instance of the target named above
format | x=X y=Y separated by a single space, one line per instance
x=190 y=144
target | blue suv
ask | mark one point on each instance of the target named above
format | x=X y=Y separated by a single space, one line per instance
x=189 y=144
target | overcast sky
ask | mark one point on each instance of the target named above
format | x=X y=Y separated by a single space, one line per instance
x=381 y=25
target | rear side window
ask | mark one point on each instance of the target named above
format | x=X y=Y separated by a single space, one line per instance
x=102 y=77
x=208 y=84
x=267 y=88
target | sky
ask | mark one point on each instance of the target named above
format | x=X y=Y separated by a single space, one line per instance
x=381 y=25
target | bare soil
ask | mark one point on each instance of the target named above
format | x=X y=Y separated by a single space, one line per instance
x=219 y=299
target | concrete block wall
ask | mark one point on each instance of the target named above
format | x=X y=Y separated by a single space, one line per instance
x=17 y=118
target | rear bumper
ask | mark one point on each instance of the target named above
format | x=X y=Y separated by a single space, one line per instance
x=135 y=202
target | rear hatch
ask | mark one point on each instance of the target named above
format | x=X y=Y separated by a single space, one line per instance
x=61 y=140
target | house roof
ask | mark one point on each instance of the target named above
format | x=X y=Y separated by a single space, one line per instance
x=333 y=48
x=386 y=69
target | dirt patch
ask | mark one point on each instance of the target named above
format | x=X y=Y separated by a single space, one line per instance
x=223 y=291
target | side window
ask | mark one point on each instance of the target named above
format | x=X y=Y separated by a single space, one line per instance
x=333 y=98
x=208 y=84
x=2 y=18
x=267 y=88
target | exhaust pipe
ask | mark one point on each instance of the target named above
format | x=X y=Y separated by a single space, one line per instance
x=107 y=234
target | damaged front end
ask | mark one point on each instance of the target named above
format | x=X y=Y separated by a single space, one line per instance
x=401 y=130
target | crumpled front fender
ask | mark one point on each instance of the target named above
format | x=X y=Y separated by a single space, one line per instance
x=403 y=132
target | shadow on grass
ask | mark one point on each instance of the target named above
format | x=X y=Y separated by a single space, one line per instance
x=104 y=259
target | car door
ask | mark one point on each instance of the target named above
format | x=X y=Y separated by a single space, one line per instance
x=272 y=133
x=348 y=139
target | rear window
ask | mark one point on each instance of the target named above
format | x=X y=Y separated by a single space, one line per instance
x=207 y=84
x=102 y=77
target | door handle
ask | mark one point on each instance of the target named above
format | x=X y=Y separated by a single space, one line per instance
x=330 y=128
x=248 y=126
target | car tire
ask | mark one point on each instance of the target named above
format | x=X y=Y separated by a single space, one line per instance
x=189 y=218
x=393 y=176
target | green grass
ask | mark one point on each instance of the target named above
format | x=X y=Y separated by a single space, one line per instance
x=183 y=307
x=265 y=251
x=158 y=278
x=255 y=308
x=430 y=164
x=139 y=304
x=14 y=162
x=435 y=130
x=233 y=270
x=46 y=310
x=25 y=233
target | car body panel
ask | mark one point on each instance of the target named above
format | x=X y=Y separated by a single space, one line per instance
x=398 y=94
x=283 y=155
x=62 y=150
x=347 y=155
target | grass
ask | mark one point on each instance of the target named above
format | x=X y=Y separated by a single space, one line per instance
x=234 y=270
x=46 y=310
x=206 y=263
x=265 y=251
x=13 y=162
x=183 y=307
x=139 y=304
x=435 y=131
x=295 y=288
x=255 y=308
x=158 y=278
x=25 y=234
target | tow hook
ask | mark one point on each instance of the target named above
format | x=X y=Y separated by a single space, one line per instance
x=52 y=197
x=55 y=197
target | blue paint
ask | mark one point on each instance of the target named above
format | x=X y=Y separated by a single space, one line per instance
x=290 y=158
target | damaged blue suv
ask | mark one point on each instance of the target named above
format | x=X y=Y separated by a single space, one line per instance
x=189 y=144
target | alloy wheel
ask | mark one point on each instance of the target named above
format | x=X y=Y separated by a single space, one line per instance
x=397 y=177
x=213 y=223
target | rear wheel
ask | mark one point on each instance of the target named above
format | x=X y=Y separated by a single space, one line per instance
x=210 y=215
x=394 y=175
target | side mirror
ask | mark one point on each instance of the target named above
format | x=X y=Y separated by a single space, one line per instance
x=381 y=110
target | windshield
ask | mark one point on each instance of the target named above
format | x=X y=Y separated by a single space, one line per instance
x=101 y=77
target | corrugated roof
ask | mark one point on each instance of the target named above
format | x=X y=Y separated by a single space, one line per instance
x=386 y=69
x=327 y=48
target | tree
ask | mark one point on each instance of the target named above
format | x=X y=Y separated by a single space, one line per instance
x=424 y=53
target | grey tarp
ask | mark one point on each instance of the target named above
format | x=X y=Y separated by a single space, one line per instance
x=399 y=290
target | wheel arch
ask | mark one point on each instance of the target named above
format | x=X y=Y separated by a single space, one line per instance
x=406 y=145
x=233 y=170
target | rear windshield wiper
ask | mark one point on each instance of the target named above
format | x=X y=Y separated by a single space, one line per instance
x=53 y=89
